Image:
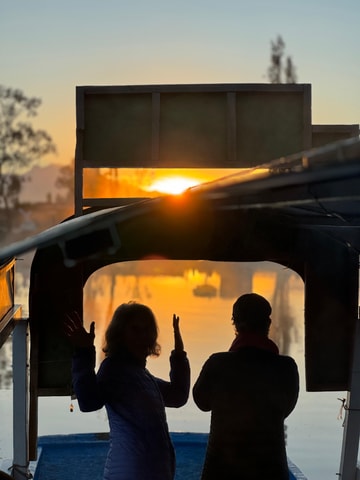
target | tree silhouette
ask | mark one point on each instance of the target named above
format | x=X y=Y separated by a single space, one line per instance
x=65 y=181
x=279 y=69
x=20 y=144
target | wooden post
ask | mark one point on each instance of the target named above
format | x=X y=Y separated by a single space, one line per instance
x=350 y=444
x=20 y=401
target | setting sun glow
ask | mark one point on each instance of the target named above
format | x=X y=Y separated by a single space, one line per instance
x=173 y=185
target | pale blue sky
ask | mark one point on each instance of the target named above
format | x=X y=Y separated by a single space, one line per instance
x=48 y=47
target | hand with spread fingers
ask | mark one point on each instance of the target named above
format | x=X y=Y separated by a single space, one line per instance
x=178 y=342
x=76 y=333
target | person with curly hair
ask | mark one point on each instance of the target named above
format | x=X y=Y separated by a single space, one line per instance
x=135 y=400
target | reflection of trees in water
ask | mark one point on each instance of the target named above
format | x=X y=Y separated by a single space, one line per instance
x=103 y=286
x=140 y=292
x=283 y=324
x=131 y=280
x=101 y=297
x=236 y=278
x=112 y=280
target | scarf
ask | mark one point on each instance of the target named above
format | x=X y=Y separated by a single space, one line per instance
x=251 y=339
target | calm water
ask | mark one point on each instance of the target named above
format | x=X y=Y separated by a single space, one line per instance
x=314 y=433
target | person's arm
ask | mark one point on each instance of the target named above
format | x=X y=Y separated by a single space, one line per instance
x=89 y=394
x=85 y=381
x=176 y=392
x=178 y=341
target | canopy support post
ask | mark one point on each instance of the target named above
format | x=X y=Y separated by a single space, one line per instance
x=20 y=401
x=350 y=444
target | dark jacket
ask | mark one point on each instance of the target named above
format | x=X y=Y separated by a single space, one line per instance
x=249 y=392
x=135 y=401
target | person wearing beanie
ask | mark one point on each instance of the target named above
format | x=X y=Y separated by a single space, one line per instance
x=250 y=390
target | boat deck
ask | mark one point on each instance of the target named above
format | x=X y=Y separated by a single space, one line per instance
x=82 y=456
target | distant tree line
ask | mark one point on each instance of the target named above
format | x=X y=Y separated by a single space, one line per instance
x=21 y=145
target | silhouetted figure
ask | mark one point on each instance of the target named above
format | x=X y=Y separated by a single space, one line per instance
x=250 y=390
x=135 y=400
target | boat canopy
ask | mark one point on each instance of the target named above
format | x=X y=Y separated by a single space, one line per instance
x=301 y=212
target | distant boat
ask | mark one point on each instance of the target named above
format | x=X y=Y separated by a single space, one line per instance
x=205 y=290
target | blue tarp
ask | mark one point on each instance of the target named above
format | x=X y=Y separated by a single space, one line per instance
x=82 y=456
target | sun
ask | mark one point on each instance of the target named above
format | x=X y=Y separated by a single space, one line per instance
x=172 y=185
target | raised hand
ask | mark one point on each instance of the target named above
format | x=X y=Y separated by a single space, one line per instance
x=76 y=333
x=178 y=342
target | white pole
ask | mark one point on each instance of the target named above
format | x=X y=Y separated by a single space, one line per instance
x=350 y=445
x=20 y=401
